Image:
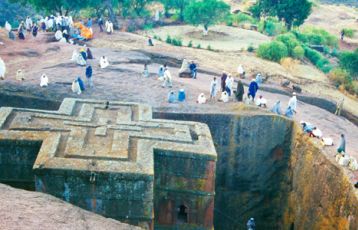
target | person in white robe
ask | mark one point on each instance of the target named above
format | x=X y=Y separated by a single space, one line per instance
x=261 y=102
x=241 y=71
x=20 y=75
x=2 y=69
x=8 y=27
x=109 y=27
x=76 y=87
x=201 y=99
x=58 y=35
x=293 y=102
x=213 y=88
x=167 y=78
x=103 y=62
x=28 y=24
x=44 y=80
x=224 y=97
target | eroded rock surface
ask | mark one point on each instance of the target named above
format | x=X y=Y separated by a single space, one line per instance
x=20 y=209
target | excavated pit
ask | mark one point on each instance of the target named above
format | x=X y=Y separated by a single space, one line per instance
x=266 y=169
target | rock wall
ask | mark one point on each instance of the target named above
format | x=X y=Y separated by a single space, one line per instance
x=268 y=170
x=16 y=161
x=321 y=196
x=253 y=159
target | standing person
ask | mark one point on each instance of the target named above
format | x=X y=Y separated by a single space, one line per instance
x=251 y=224
x=76 y=87
x=193 y=69
x=109 y=27
x=89 y=78
x=89 y=23
x=258 y=79
x=228 y=85
x=223 y=81
x=145 y=71
x=28 y=24
x=339 y=107
x=100 y=24
x=89 y=54
x=342 y=35
x=2 y=69
x=171 y=97
x=21 y=31
x=240 y=91
x=167 y=78
x=161 y=72
x=241 y=71
x=342 y=145
x=293 y=102
x=213 y=88
x=35 y=30
x=277 y=108
x=103 y=62
x=253 y=88
x=150 y=41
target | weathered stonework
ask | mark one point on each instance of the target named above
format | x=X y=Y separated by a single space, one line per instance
x=113 y=159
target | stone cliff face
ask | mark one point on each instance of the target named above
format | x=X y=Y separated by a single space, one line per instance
x=20 y=209
x=321 y=196
x=268 y=170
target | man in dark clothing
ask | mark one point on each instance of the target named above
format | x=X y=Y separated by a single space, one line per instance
x=100 y=23
x=89 y=54
x=240 y=91
x=35 y=30
x=223 y=82
x=253 y=89
x=342 y=145
x=193 y=70
x=89 y=76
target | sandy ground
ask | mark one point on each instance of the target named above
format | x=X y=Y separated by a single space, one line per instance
x=123 y=80
x=219 y=38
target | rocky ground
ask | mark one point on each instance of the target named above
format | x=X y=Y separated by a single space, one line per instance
x=123 y=79
x=20 y=209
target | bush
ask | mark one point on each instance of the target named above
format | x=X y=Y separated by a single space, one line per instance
x=242 y=18
x=335 y=52
x=168 y=39
x=349 y=62
x=273 y=51
x=349 y=33
x=209 y=48
x=314 y=36
x=177 y=42
x=313 y=55
x=198 y=46
x=290 y=41
x=190 y=44
x=271 y=27
x=298 y=52
x=148 y=26
x=324 y=65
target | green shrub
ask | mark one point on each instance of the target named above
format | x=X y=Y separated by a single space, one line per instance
x=290 y=41
x=314 y=36
x=298 y=52
x=209 y=48
x=271 y=27
x=313 y=55
x=198 y=46
x=242 y=17
x=324 y=65
x=177 y=42
x=168 y=39
x=349 y=62
x=273 y=51
x=190 y=44
x=349 y=33
x=335 y=52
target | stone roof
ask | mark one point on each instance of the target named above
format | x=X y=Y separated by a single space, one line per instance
x=102 y=136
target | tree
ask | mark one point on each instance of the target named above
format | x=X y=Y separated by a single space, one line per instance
x=14 y=13
x=293 y=12
x=176 y=4
x=206 y=12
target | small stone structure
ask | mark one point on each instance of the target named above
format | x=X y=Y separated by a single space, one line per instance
x=112 y=158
